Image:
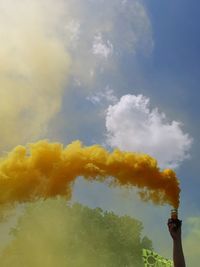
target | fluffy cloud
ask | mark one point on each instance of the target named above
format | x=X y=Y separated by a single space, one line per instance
x=131 y=125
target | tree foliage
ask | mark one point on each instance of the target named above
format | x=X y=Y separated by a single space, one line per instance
x=52 y=233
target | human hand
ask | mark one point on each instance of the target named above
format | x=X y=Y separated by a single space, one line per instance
x=174 y=227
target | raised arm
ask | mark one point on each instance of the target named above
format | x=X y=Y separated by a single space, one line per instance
x=174 y=227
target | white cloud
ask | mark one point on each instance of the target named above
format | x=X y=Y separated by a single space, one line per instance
x=131 y=125
x=106 y=95
x=73 y=29
x=99 y=30
x=101 y=48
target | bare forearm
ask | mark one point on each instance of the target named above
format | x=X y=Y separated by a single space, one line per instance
x=178 y=256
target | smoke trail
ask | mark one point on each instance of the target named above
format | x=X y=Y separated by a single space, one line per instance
x=44 y=169
x=34 y=68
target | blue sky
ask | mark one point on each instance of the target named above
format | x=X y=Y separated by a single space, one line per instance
x=91 y=55
x=175 y=61
x=169 y=76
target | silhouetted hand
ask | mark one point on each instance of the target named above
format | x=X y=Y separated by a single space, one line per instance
x=174 y=227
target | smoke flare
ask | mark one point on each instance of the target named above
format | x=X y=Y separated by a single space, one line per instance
x=44 y=169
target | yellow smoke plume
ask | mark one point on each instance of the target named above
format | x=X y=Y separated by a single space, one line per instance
x=33 y=69
x=43 y=170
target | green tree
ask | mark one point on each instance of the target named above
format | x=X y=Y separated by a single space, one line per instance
x=52 y=233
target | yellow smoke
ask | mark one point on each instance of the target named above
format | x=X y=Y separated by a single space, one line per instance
x=43 y=170
x=191 y=241
x=33 y=69
x=50 y=234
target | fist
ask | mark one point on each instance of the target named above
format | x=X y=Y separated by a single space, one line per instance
x=174 y=226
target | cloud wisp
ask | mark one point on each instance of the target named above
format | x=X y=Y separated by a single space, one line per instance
x=98 y=32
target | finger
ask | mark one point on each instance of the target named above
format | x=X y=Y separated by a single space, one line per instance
x=170 y=223
x=172 y=227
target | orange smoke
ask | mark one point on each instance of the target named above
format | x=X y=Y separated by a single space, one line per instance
x=44 y=169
